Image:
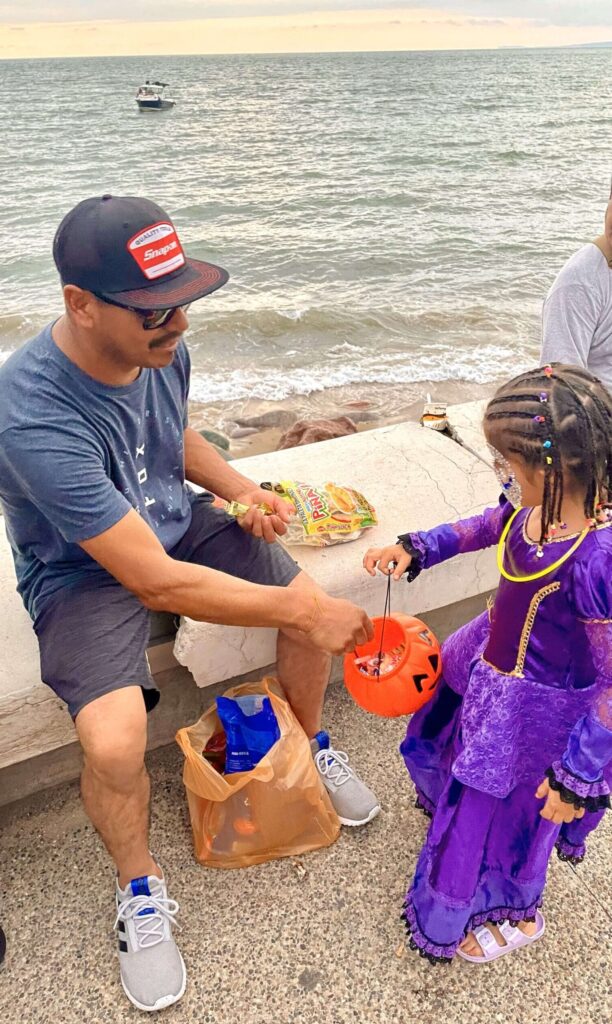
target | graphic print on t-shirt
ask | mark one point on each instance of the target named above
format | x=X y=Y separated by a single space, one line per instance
x=143 y=476
x=157 y=498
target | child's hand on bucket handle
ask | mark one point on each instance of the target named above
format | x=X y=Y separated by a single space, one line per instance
x=392 y=560
x=555 y=809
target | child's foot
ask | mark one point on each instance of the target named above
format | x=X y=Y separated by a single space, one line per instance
x=472 y=947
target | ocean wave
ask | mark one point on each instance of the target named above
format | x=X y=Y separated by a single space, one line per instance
x=479 y=366
x=16 y=328
x=270 y=322
x=274 y=353
x=329 y=322
x=291 y=314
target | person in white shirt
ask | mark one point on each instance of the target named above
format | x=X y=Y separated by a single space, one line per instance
x=577 y=315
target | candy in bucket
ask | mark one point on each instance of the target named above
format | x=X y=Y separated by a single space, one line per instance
x=397 y=672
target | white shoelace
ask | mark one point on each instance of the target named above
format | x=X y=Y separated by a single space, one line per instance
x=149 y=927
x=333 y=764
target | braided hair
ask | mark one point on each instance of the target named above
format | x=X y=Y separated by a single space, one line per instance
x=557 y=418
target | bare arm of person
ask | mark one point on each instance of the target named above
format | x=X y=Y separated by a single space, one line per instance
x=131 y=552
x=205 y=467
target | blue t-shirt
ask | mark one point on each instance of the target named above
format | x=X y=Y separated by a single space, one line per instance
x=76 y=455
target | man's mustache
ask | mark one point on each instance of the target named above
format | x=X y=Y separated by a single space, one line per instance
x=171 y=336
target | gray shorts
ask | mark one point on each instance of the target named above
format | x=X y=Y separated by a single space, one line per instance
x=93 y=636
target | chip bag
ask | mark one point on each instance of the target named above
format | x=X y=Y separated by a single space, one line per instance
x=279 y=808
x=325 y=515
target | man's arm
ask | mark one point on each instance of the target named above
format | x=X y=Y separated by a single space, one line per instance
x=131 y=552
x=569 y=320
x=204 y=466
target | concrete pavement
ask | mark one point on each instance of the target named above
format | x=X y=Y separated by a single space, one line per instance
x=311 y=940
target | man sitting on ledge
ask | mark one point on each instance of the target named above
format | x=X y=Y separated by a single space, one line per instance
x=95 y=452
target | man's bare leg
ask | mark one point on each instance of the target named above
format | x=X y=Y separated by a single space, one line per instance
x=303 y=670
x=114 y=784
x=116 y=790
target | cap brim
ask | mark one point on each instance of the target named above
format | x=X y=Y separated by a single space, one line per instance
x=195 y=280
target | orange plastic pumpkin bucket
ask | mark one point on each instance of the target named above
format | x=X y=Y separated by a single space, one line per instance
x=413 y=679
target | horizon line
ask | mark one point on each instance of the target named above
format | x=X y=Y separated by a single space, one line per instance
x=329 y=53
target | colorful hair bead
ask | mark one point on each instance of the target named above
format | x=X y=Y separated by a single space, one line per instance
x=547 y=444
x=548 y=460
x=548 y=371
x=543 y=396
x=539 y=419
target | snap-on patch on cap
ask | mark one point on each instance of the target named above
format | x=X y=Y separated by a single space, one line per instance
x=127 y=249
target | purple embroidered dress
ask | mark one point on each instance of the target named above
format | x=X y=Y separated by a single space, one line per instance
x=526 y=693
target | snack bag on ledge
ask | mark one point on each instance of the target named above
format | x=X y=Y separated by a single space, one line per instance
x=325 y=515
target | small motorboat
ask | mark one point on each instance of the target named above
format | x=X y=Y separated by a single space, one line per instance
x=150 y=96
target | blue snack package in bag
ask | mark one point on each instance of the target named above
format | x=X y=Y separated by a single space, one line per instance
x=250 y=728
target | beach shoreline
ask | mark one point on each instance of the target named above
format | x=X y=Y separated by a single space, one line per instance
x=255 y=426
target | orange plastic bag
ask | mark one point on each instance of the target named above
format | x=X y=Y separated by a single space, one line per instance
x=279 y=809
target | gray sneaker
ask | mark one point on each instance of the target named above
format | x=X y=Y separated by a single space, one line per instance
x=353 y=802
x=152 y=970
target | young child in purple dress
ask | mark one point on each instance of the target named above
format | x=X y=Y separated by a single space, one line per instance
x=513 y=756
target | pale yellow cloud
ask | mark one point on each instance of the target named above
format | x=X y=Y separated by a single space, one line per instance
x=403 y=29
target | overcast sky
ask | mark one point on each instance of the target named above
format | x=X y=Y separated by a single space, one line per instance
x=596 y=13
x=83 y=28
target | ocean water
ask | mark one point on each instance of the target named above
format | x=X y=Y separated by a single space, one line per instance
x=386 y=218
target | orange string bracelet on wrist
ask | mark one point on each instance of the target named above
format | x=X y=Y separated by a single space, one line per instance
x=317 y=608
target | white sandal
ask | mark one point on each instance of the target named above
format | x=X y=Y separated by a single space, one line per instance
x=514 y=937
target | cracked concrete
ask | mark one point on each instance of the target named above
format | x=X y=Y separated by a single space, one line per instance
x=433 y=478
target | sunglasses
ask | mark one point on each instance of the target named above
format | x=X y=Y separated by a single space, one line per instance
x=151 y=318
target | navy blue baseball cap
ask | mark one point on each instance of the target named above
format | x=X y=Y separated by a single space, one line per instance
x=128 y=250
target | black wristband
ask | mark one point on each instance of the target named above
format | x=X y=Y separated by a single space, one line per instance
x=589 y=803
x=415 y=568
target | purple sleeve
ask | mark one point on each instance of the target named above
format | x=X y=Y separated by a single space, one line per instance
x=579 y=774
x=431 y=547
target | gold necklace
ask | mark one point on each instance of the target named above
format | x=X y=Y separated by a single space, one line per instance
x=543 y=572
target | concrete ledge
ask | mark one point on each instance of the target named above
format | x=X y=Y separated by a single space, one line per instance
x=415 y=477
